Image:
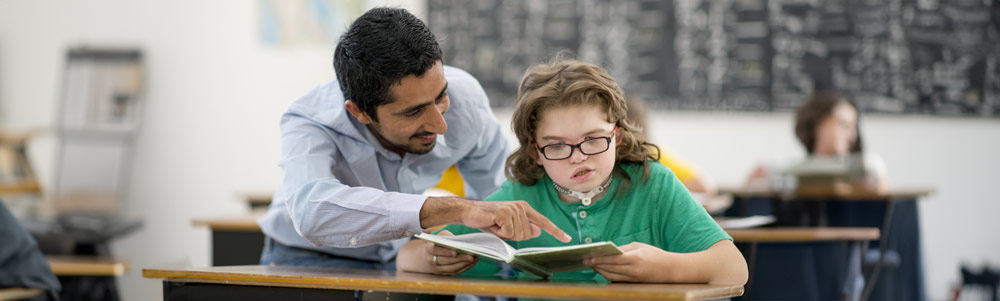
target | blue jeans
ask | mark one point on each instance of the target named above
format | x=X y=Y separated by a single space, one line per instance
x=278 y=254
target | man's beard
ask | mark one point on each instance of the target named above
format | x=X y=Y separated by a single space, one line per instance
x=375 y=128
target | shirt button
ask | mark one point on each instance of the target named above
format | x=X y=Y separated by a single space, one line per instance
x=583 y=214
x=354 y=241
x=407 y=233
x=588 y=240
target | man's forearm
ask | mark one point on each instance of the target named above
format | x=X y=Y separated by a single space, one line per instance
x=442 y=210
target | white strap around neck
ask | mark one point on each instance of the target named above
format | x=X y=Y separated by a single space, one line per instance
x=585 y=197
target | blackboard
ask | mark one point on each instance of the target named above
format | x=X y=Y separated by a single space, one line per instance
x=896 y=56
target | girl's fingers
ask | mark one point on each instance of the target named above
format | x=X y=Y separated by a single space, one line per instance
x=616 y=268
x=447 y=261
x=456 y=267
x=612 y=276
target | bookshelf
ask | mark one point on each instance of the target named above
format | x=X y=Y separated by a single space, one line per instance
x=97 y=121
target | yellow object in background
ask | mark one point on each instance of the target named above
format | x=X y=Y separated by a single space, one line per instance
x=682 y=170
x=452 y=181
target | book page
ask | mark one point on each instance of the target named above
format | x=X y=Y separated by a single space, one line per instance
x=481 y=243
x=567 y=258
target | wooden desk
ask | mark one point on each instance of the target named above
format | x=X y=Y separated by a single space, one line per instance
x=803 y=234
x=19 y=187
x=894 y=213
x=18 y=293
x=85 y=266
x=236 y=240
x=283 y=282
x=902 y=194
x=257 y=200
x=854 y=280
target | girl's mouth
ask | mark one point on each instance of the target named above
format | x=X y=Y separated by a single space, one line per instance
x=582 y=174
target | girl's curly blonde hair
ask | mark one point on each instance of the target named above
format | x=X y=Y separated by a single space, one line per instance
x=569 y=82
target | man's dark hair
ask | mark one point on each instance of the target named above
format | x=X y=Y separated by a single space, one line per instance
x=817 y=109
x=379 y=49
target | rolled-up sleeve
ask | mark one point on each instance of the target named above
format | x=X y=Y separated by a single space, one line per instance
x=327 y=212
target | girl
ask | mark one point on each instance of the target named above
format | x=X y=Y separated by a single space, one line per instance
x=583 y=165
x=827 y=127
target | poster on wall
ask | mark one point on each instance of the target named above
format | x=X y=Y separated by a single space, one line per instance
x=304 y=22
x=102 y=90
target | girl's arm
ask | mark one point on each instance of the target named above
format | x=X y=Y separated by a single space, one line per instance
x=721 y=263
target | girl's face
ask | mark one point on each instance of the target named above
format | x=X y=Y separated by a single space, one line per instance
x=582 y=125
x=836 y=133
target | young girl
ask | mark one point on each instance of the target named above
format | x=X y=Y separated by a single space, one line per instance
x=584 y=166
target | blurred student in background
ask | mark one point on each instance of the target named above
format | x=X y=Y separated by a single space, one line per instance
x=827 y=126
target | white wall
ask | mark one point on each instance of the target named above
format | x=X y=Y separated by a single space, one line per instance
x=215 y=95
x=210 y=125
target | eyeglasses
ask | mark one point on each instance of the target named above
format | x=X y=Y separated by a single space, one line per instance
x=562 y=151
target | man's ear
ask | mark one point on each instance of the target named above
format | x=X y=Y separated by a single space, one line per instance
x=357 y=113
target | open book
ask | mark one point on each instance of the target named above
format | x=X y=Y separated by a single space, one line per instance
x=540 y=261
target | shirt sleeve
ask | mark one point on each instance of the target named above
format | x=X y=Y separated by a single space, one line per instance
x=483 y=167
x=688 y=227
x=327 y=212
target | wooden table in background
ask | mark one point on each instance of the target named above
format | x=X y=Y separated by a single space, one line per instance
x=802 y=234
x=284 y=282
x=895 y=213
x=19 y=293
x=236 y=240
x=20 y=187
x=85 y=266
x=854 y=280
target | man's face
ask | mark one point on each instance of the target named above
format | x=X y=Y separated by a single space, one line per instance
x=412 y=121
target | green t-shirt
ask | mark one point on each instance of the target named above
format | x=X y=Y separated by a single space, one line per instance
x=659 y=212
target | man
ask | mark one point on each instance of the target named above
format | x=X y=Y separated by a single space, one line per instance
x=356 y=153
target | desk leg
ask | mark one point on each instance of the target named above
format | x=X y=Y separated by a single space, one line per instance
x=883 y=245
x=854 y=281
x=751 y=263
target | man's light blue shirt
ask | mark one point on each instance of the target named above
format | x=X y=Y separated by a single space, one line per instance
x=344 y=194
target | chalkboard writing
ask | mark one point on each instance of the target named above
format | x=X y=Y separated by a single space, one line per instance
x=896 y=56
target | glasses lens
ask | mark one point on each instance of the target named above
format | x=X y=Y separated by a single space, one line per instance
x=594 y=146
x=557 y=151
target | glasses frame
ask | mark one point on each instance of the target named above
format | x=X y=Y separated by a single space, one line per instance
x=574 y=147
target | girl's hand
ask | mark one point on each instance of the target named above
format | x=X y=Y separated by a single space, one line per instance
x=640 y=263
x=445 y=261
